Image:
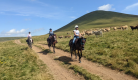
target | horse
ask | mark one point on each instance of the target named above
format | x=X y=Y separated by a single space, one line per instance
x=29 y=42
x=52 y=41
x=79 y=44
x=134 y=27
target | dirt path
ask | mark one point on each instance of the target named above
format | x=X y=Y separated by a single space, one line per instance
x=103 y=72
x=59 y=72
x=17 y=41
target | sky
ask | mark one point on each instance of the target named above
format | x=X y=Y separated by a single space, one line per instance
x=18 y=17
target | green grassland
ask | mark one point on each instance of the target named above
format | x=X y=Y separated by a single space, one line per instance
x=101 y=19
x=18 y=62
x=87 y=75
x=9 y=38
x=116 y=49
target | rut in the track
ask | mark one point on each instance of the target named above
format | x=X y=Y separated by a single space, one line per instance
x=101 y=71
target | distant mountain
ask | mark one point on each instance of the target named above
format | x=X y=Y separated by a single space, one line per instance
x=99 y=19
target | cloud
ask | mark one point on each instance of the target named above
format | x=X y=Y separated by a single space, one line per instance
x=87 y=11
x=106 y=7
x=27 y=19
x=73 y=17
x=131 y=7
x=37 y=30
x=14 y=33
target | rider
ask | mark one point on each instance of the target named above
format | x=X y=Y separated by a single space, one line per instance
x=29 y=37
x=76 y=35
x=51 y=33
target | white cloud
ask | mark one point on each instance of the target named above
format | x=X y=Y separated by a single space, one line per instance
x=130 y=7
x=13 y=31
x=106 y=7
x=27 y=19
x=37 y=30
x=73 y=17
x=87 y=11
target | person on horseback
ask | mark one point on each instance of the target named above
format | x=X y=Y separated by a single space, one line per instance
x=29 y=39
x=29 y=35
x=76 y=35
x=51 y=33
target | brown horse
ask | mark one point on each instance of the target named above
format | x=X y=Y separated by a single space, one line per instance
x=52 y=41
x=79 y=44
x=134 y=27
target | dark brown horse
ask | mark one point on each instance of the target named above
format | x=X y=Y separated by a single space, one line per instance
x=134 y=27
x=52 y=41
x=78 y=45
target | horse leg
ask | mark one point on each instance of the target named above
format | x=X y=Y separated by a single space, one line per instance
x=49 y=48
x=71 y=52
x=75 y=55
x=79 y=57
x=54 y=48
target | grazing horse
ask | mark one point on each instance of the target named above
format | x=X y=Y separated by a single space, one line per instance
x=79 y=44
x=52 y=41
x=134 y=27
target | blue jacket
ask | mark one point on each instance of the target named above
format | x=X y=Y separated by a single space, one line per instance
x=51 y=33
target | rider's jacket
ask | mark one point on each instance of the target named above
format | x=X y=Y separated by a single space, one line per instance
x=51 y=33
x=29 y=36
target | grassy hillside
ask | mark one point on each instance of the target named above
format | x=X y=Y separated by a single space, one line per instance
x=99 y=19
x=18 y=62
x=116 y=49
x=9 y=38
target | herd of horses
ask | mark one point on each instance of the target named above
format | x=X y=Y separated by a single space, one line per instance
x=79 y=44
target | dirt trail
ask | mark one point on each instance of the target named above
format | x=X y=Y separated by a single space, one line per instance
x=103 y=72
x=17 y=41
x=58 y=71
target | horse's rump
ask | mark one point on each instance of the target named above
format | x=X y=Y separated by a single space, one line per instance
x=70 y=42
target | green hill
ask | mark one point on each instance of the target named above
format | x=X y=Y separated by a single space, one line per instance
x=99 y=19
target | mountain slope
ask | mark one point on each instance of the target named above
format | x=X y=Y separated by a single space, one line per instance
x=98 y=19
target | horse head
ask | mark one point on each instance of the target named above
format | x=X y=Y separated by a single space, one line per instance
x=83 y=40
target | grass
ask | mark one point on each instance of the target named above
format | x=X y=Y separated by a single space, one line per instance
x=9 y=38
x=116 y=49
x=18 y=62
x=83 y=72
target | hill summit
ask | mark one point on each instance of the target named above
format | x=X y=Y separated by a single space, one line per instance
x=99 y=19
